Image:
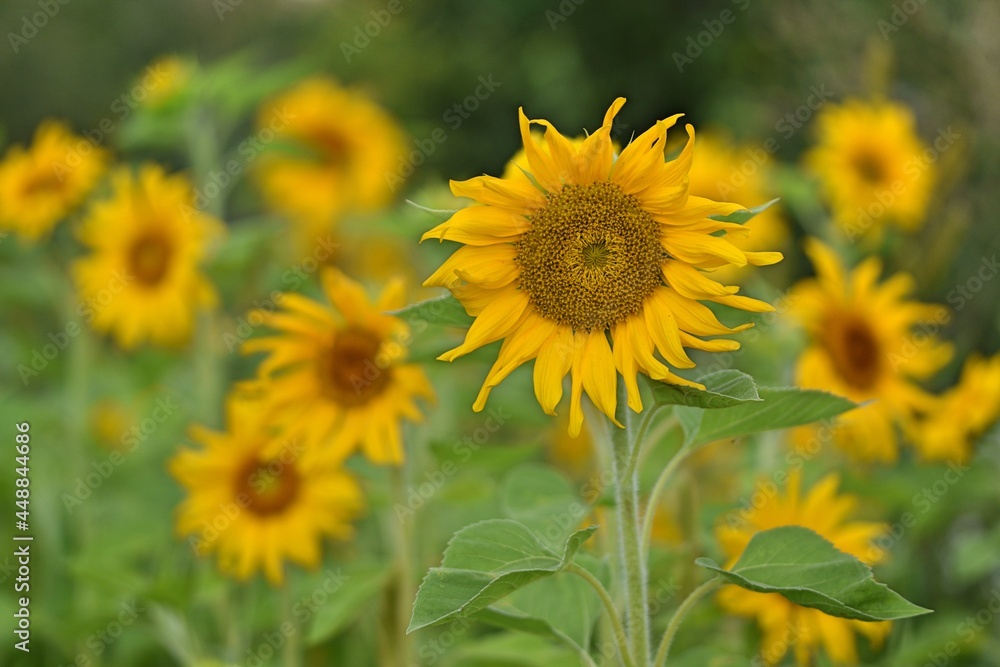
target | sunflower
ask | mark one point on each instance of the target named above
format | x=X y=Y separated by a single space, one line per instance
x=961 y=415
x=335 y=376
x=784 y=624
x=721 y=169
x=588 y=246
x=165 y=79
x=43 y=184
x=334 y=153
x=867 y=343
x=142 y=280
x=256 y=506
x=870 y=162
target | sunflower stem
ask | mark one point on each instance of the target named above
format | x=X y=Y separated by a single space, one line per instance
x=654 y=496
x=406 y=591
x=633 y=560
x=609 y=607
x=291 y=655
x=678 y=617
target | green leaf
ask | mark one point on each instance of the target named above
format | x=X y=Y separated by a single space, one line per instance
x=780 y=408
x=744 y=215
x=564 y=608
x=484 y=563
x=445 y=310
x=805 y=568
x=342 y=607
x=723 y=389
x=541 y=499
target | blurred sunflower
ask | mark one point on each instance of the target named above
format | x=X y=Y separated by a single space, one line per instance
x=723 y=170
x=869 y=161
x=334 y=152
x=960 y=415
x=255 y=506
x=864 y=344
x=335 y=376
x=591 y=245
x=164 y=80
x=784 y=624
x=43 y=184
x=142 y=279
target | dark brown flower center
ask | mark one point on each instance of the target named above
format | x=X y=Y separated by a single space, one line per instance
x=41 y=182
x=352 y=372
x=149 y=258
x=591 y=257
x=267 y=486
x=870 y=167
x=333 y=148
x=855 y=350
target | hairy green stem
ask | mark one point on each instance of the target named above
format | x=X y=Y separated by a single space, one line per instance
x=291 y=654
x=654 y=496
x=406 y=591
x=678 y=618
x=609 y=607
x=623 y=467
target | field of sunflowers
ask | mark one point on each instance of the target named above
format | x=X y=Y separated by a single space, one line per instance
x=502 y=334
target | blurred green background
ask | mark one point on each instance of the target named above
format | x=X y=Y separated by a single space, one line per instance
x=564 y=61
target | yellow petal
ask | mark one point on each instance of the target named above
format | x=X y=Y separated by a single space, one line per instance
x=600 y=379
x=496 y=321
x=480 y=225
x=553 y=362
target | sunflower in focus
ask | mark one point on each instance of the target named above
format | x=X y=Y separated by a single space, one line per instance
x=41 y=185
x=336 y=377
x=870 y=162
x=142 y=280
x=723 y=170
x=960 y=415
x=590 y=246
x=866 y=343
x=785 y=625
x=256 y=506
x=334 y=152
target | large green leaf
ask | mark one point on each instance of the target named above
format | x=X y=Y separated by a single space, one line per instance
x=446 y=310
x=341 y=607
x=808 y=570
x=723 y=389
x=484 y=563
x=563 y=607
x=744 y=215
x=780 y=408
